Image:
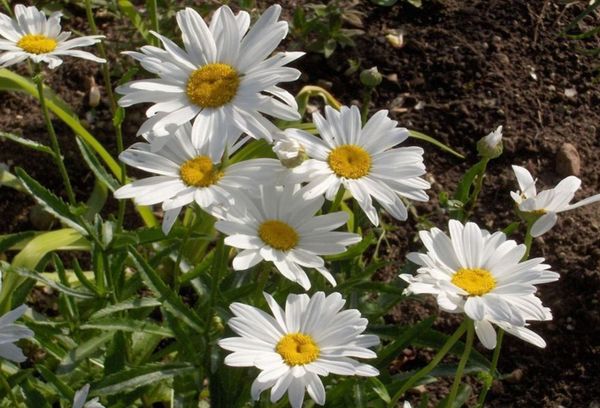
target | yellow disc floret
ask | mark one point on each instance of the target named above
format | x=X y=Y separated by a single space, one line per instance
x=475 y=281
x=37 y=44
x=199 y=172
x=213 y=85
x=350 y=161
x=297 y=349
x=278 y=235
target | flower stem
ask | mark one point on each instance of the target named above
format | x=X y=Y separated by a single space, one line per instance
x=434 y=362
x=528 y=240
x=39 y=81
x=337 y=200
x=8 y=388
x=462 y=363
x=493 y=366
x=153 y=11
x=364 y=109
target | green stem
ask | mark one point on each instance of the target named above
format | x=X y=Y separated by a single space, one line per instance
x=477 y=190
x=364 y=109
x=528 y=240
x=434 y=362
x=493 y=367
x=153 y=11
x=8 y=388
x=8 y=9
x=337 y=200
x=39 y=80
x=462 y=363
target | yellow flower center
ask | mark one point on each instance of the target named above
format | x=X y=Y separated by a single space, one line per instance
x=541 y=211
x=297 y=349
x=349 y=161
x=213 y=85
x=475 y=281
x=278 y=235
x=199 y=172
x=37 y=44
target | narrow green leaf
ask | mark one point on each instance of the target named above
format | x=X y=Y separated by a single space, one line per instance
x=6 y=268
x=127 y=325
x=30 y=144
x=170 y=300
x=83 y=351
x=136 y=19
x=464 y=185
x=380 y=389
x=7 y=242
x=63 y=389
x=94 y=164
x=136 y=303
x=435 y=142
x=139 y=377
x=392 y=350
x=8 y=179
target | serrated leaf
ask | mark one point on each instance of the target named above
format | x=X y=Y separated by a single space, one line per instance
x=8 y=179
x=94 y=164
x=28 y=143
x=136 y=303
x=139 y=377
x=127 y=325
x=83 y=351
x=422 y=136
x=169 y=299
x=6 y=268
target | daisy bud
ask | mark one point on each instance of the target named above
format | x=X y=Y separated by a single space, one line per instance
x=490 y=146
x=370 y=77
x=94 y=95
x=289 y=152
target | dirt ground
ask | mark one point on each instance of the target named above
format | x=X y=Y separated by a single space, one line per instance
x=466 y=68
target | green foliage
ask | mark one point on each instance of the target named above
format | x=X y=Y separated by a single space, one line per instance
x=319 y=27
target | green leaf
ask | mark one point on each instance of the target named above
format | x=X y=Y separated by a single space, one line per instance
x=83 y=351
x=7 y=242
x=464 y=185
x=392 y=350
x=94 y=164
x=51 y=203
x=127 y=325
x=136 y=19
x=136 y=303
x=170 y=300
x=435 y=142
x=139 y=377
x=380 y=389
x=9 y=180
x=30 y=144
x=384 y=3
x=63 y=389
x=6 y=268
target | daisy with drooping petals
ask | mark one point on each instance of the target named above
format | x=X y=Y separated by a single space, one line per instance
x=278 y=225
x=185 y=174
x=548 y=203
x=292 y=348
x=31 y=35
x=481 y=274
x=223 y=79
x=363 y=160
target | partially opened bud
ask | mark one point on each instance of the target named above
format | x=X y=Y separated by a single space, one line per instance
x=490 y=146
x=371 y=77
x=289 y=152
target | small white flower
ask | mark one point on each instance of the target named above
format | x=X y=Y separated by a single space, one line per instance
x=81 y=397
x=548 y=203
x=280 y=226
x=184 y=174
x=481 y=275
x=362 y=159
x=493 y=138
x=223 y=80
x=312 y=337
x=31 y=35
x=289 y=152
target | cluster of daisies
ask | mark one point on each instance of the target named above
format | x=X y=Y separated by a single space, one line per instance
x=219 y=90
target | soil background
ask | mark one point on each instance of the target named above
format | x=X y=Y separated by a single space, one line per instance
x=465 y=68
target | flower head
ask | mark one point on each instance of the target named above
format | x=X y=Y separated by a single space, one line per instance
x=184 y=174
x=223 y=79
x=289 y=152
x=362 y=159
x=491 y=145
x=31 y=35
x=278 y=225
x=311 y=337
x=546 y=204
x=482 y=275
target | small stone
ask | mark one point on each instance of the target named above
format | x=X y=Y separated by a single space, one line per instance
x=503 y=58
x=497 y=387
x=570 y=92
x=568 y=162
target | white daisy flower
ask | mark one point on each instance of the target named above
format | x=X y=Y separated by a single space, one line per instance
x=292 y=348
x=222 y=79
x=481 y=274
x=548 y=203
x=494 y=138
x=31 y=35
x=363 y=160
x=278 y=225
x=81 y=396
x=185 y=174
x=11 y=332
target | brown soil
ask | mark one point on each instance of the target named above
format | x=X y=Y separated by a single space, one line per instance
x=466 y=68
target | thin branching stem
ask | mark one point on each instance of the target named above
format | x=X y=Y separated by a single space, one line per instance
x=493 y=367
x=461 y=364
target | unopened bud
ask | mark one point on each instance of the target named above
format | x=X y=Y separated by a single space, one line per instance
x=289 y=152
x=395 y=40
x=370 y=77
x=490 y=146
x=94 y=94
